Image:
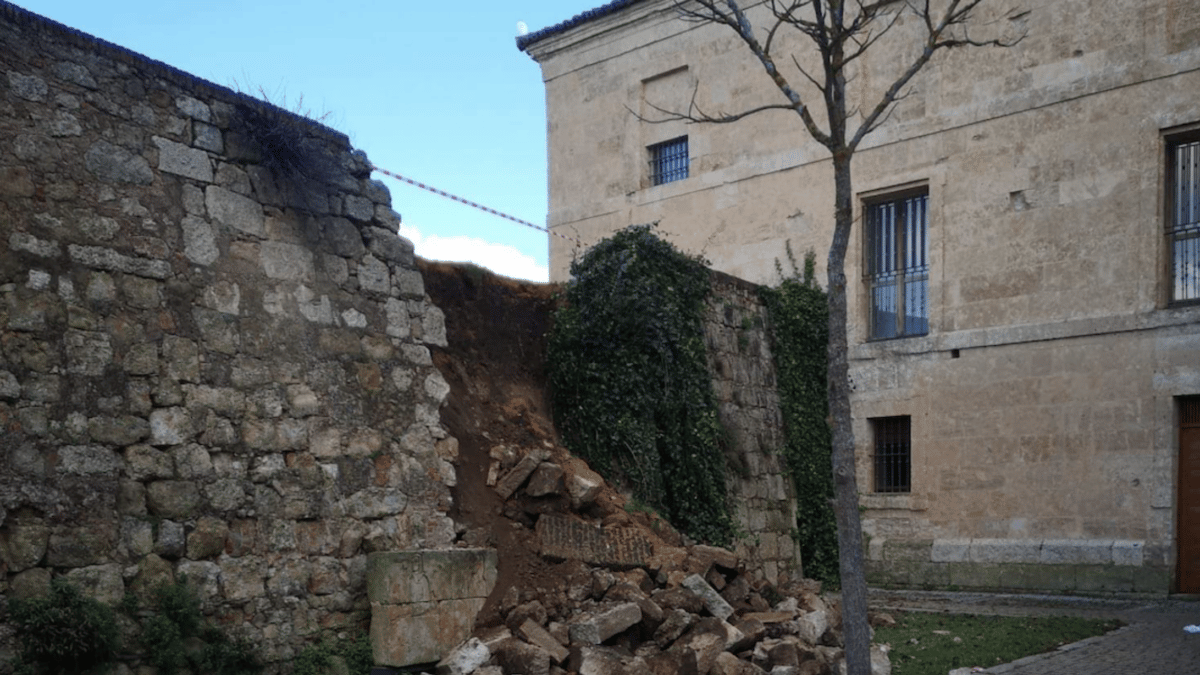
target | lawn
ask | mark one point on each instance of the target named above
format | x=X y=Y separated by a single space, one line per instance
x=934 y=644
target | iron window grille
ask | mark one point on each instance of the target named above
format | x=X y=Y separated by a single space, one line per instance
x=1183 y=221
x=669 y=161
x=897 y=266
x=893 y=453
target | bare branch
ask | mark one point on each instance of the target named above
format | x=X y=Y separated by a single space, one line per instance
x=939 y=35
x=736 y=19
x=696 y=115
x=870 y=38
x=819 y=85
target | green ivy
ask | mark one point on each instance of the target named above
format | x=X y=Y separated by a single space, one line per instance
x=630 y=383
x=799 y=317
x=164 y=637
x=64 y=632
x=317 y=659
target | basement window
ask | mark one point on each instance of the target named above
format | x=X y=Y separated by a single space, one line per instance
x=893 y=453
x=669 y=161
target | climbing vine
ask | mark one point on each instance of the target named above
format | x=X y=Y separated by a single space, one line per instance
x=799 y=315
x=631 y=388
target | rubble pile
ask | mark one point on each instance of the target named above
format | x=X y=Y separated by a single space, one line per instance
x=630 y=596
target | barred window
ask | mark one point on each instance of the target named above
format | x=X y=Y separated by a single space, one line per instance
x=893 y=453
x=897 y=266
x=1183 y=221
x=669 y=161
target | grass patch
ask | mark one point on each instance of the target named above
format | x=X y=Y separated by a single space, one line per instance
x=935 y=644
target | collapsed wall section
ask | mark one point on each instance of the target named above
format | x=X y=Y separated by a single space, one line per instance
x=213 y=347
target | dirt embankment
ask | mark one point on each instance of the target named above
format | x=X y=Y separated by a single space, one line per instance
x=495 y=364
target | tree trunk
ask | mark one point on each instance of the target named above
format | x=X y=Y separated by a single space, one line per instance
x=855 y=630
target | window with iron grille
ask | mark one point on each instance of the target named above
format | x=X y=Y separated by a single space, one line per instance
x=1183 y=219
x=669 y=161
x=897 y=265
x=893 y=453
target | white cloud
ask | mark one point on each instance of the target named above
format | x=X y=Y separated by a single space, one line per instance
x=499 y=258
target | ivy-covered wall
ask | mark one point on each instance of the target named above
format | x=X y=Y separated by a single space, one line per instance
x=664 y=379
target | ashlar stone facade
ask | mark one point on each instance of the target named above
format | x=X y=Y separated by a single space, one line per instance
x=1033 y=395
x=214 y=347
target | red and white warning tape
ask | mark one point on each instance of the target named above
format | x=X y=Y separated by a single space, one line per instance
x=468 y=202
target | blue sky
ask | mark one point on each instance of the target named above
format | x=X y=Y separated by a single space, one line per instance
x=436 y=91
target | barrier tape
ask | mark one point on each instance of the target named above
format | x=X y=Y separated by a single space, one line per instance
x=468 y=202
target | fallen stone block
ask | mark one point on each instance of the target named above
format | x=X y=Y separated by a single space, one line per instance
x=597 y=627
x=565 y=538
x=713 y=601
x=678 y=598
x=593 y=660
x=465 y=658
x=515 y=656
x=583 y=484
x=536 y=635
x=547 y=479
x=675 y=622
x=652 y=614
x=714 y=555
x=515 y=478
x=812 y=626
x=728 y=664
x=705 y=648
x=752 y=630
x=770 y=617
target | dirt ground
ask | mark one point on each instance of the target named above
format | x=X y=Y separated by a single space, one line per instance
x=495 y=364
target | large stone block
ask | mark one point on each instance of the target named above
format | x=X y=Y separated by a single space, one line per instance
x=596 y=627
x=115 y=164
x=564 y=538
x=423 y=603
x=234 y=210
x=1006 y=550
x=950 y=550
x=181 y=160
x=1076 y=551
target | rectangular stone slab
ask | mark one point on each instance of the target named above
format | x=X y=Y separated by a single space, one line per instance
x=424 y=603
x=564 y=538
x=400 y=577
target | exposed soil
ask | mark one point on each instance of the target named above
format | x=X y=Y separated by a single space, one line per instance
x=495 y=364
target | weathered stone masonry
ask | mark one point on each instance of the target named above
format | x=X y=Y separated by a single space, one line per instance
x=213 y=353
x=743 y=370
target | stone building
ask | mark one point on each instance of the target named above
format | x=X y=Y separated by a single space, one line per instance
x=1030 y=212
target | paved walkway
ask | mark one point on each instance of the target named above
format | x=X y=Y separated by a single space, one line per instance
x=1153 y=642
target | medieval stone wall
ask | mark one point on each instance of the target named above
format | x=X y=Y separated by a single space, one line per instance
x=213 y=346
x=737 y=334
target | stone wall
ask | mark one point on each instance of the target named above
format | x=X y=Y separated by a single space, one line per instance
x=213 y=347
x=737 y=333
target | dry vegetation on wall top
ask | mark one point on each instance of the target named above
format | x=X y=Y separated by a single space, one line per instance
x=641 y=601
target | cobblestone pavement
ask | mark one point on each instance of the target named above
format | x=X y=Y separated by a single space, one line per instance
x=1153 y=642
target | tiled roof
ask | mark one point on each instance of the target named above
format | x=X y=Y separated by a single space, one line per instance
x=524 y=41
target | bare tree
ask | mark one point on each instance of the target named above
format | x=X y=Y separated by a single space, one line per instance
x=842 y=31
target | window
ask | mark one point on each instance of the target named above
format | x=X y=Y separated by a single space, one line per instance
x=1183 y=220
x=897 y=265
x=669 y=161
x=893 y=453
